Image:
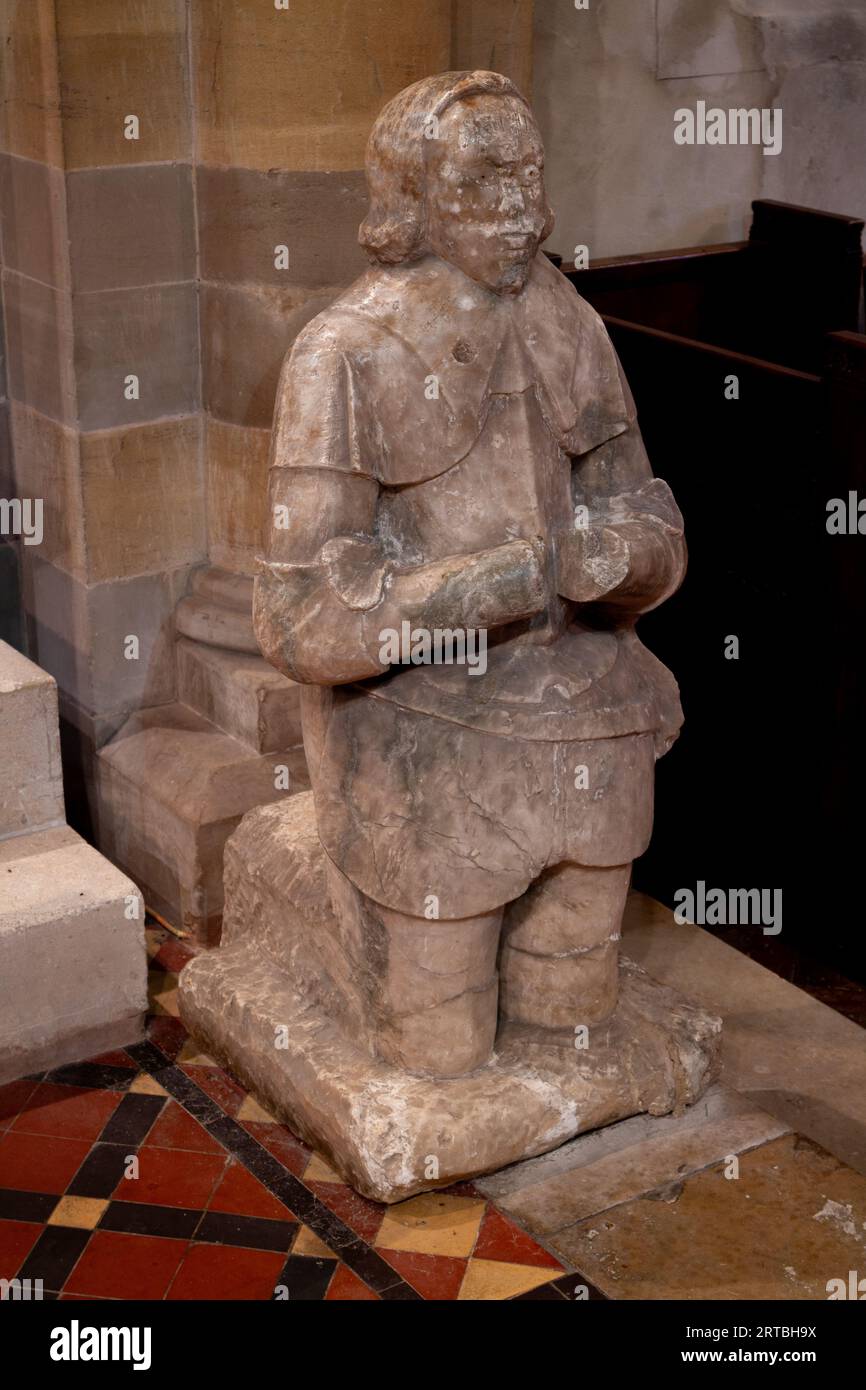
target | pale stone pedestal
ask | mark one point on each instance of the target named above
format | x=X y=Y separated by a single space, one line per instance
x=73 y=966
x=175 y=781
x=267 y=1005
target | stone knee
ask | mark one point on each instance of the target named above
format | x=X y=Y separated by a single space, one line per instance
x=560 y=947
x=427 y=989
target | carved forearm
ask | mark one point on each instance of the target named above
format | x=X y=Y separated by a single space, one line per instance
x=630 y=555
x=325 y=623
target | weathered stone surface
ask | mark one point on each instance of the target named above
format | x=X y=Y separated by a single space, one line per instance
x=279 y=967
x=73 y=975
x=81 y=634
x=33 y=213
x=241 y=694
x=236 y=463
x=215 y=624
x=141 y=490
x=40 y=344
x=31 y=123
x=390 y=1029
x=245 y=214
x=117 y=59
x=131 y=225
x=47 y=463
x=171 y=789
x=381 y=1127
x=72 y=956
x=249 y=56
x=150 y=332
x=31 y=787
x=240 y=387
x=635 y=1158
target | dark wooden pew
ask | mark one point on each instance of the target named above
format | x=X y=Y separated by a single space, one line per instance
x=765 y=785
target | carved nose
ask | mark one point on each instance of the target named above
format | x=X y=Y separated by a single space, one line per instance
x=512 y=198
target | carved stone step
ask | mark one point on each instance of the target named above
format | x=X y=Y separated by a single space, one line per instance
x=216 y=624
x=224 y=587
x=241 y=694
x=172 y=787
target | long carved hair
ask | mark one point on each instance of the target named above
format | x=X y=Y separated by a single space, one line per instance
x=393 y=230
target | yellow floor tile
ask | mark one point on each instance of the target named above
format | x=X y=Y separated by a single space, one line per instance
x=251 y=1110
x=144 y=1085
x=320 y=1170
x=308 y=1243
x=162 y=993
x=83 y=1212
x=432 y=1224
x=490 y=1279
x=192 y=1055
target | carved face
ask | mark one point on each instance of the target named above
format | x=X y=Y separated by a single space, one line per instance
x=486 y=205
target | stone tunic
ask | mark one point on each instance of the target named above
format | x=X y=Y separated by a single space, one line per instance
x=434 y=781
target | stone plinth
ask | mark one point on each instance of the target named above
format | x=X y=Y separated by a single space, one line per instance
x=73 y=972
x=268 y=1006
x=175 y=781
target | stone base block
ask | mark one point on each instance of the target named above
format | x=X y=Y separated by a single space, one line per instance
x=171 y=788
x=31 y=786
x=73 y=966
x=241 y=694
x=269 y=1005
x=390 y=1134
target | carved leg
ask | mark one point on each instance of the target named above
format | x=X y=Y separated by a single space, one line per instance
x=560 y=947
x=429 y=989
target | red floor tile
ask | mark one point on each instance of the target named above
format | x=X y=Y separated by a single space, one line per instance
x=435 y=1277
x=283 y=1145
x=216 y=1271
x=364 y=1216
x=175 y=1129
x=172 y=1178
x=345 y=1285
x=500 y=1239
x=241 y=1193
x=17 y=1239
x=114 y=1059
x=124 y=1266
x=12 y=1097
x=31 y=1163
x=168 y=1034
x=68 y=1112
x=228 y=1094
x=173 y=955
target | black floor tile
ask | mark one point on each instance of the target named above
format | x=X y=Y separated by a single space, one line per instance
x=305 y=1278
x=97 y=1075
x=132 y=1119
x=26 y=1206
x=254 y=1232
x=101 y=1171
x=141 y=1219
x=54 y=1255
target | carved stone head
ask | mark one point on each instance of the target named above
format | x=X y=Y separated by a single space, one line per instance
x=455 y=167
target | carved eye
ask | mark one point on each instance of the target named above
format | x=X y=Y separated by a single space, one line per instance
x=462 y=351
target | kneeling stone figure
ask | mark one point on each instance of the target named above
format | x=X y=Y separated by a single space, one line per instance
x=455 y=447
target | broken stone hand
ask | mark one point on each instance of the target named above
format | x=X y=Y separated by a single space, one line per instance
x=323 y=623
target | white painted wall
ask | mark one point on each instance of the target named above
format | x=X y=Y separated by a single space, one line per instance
x=608 y=80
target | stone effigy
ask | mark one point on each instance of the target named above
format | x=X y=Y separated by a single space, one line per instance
x=420 y=966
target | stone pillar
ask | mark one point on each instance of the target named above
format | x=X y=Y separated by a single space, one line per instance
x=188 y=258
x=99 y=288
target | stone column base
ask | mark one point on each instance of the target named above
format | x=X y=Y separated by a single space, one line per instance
x=264 y=1007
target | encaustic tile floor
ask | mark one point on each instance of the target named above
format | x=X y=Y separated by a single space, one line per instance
x=150 y=1173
